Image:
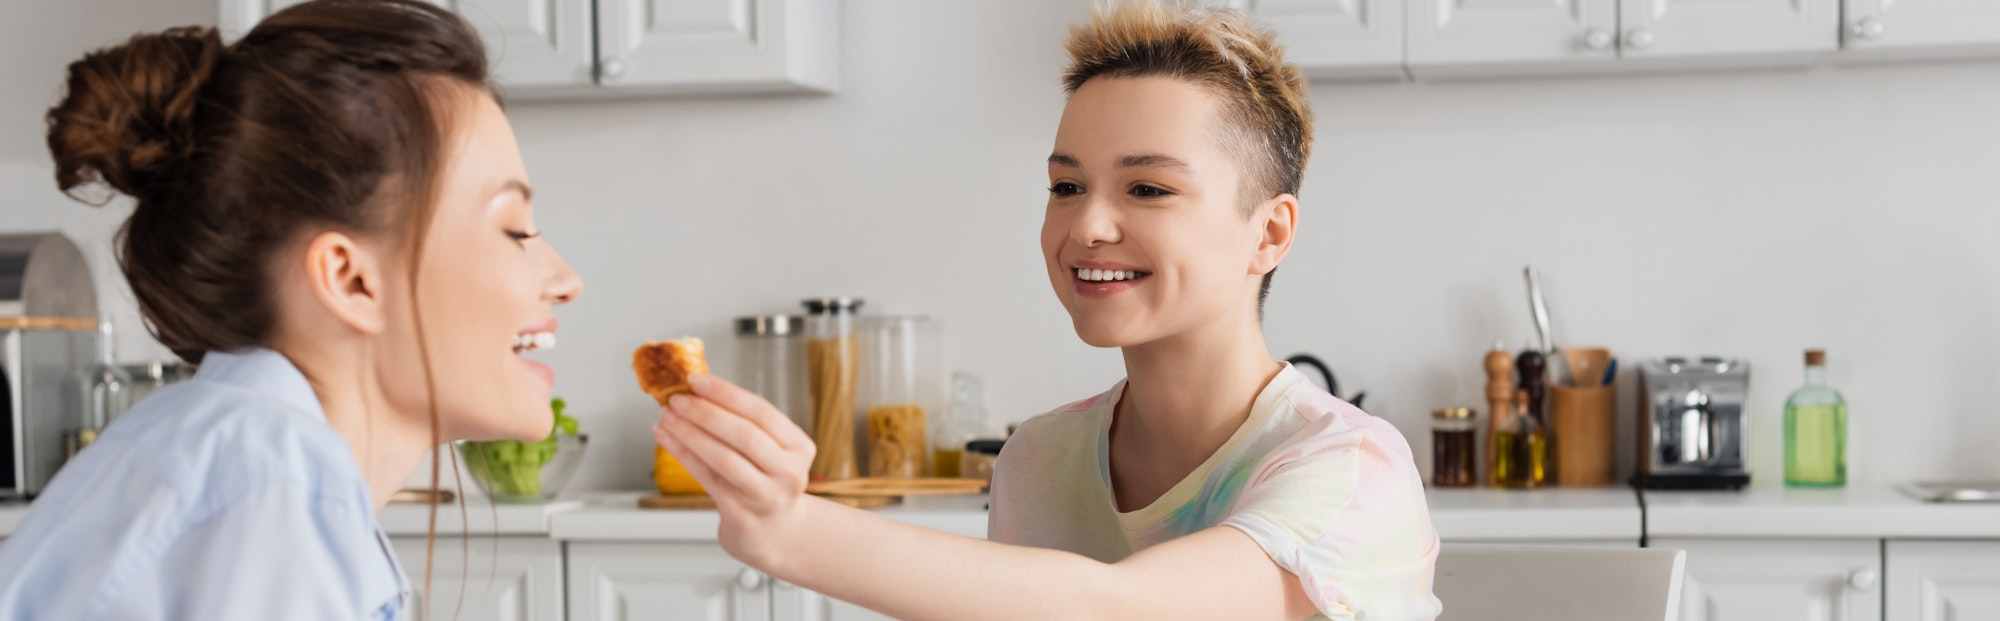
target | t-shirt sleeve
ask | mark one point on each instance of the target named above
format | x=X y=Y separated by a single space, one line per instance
x=1344 y=510
x=272 y=553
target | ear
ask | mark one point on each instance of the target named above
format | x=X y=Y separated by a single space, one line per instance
x=347 y=279
x=1278 y=220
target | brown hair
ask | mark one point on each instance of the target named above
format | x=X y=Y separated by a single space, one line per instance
x=1263 y=97
x=329 y=115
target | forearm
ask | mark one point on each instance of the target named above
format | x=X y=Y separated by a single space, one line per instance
x=852 y=554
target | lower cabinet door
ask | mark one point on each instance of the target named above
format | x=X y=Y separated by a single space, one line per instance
x=630 y=581
x=1944 y=580
x=791 y=603
x=508 y=579
x=1780 y=580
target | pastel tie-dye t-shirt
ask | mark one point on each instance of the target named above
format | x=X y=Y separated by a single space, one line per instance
x=1330 y=492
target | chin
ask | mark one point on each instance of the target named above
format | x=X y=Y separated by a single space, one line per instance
x=1107 y=333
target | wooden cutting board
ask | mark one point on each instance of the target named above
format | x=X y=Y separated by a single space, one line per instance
x=702 y=501
x=896 y=487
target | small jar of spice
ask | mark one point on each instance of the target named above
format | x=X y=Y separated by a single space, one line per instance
x=1453 y=437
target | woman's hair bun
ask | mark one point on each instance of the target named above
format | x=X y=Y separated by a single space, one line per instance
x=129 y=116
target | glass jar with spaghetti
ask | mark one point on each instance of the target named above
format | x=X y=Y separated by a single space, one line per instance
x=833 y=359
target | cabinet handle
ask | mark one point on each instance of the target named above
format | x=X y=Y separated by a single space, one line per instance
x=1597 y=39
x=750 y=579
x=1862 y=579
x=1639 y=38
x=1870 y=27
x=612 y=68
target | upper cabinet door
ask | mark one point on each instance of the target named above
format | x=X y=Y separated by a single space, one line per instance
x=719 y=46
x=1888 y=25
x=534 y=46
x=1483 y=33
x=1743 y=28
x=1334 y=38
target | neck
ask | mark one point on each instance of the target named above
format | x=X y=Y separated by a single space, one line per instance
x=1193 y=390
x=388 y=445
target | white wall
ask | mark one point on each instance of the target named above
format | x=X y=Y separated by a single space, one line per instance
x=1751 y=215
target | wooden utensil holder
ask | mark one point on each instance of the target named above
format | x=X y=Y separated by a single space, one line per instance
x=1583 y=421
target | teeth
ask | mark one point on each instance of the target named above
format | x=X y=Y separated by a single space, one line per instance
x=535 y=341
x=1105 y=275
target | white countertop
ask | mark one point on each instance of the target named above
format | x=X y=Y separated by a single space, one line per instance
x=617 y=517
x=1861 y=511
x=403 y=520
x=1553 y=514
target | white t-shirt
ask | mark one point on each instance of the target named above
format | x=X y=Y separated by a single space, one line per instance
x=1330 y=492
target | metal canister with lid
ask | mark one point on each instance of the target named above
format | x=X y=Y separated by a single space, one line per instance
x=774 y=363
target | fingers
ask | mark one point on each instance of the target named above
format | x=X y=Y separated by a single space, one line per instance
x=751 y=406
x=722 y=462
x=693 y=463
x=733 y=431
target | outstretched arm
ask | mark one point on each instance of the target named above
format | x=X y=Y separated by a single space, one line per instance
x=753 y=461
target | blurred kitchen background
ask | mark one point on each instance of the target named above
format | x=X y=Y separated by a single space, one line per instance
x=1743 y=212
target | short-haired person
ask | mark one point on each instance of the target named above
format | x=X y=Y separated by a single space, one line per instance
x=1214 y=482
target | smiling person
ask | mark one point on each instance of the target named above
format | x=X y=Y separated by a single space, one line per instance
x=333 y=221
x=1214 y=482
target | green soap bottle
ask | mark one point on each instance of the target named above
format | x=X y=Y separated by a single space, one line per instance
x=1815 y=430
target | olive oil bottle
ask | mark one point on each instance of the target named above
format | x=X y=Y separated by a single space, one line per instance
x=1521 y=449
x=1815 y=430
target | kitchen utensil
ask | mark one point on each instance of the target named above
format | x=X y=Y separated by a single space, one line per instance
x=48 y=329
x=1954 y=491
x=1326 y=373
x=871 y=486
x=1586 y=365
x=1540 y=309
x=517 y=478
x=1693 y=427
x=1610 y=372
x=419 y=496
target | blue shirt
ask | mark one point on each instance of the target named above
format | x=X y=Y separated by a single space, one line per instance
x=226 y=497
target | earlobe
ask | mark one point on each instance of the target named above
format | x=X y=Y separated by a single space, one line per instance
x=346 y=278
x=1280 y=217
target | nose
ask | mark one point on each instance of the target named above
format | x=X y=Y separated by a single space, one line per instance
x=1095 y=224
x=563 y=285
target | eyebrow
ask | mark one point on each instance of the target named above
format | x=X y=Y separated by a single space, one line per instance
x=1150 y=160
x=527 y=193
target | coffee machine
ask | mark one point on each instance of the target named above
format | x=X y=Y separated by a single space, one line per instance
x=1694 y=430
x=48 y=338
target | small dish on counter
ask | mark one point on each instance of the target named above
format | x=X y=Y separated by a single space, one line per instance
x=1954 y=491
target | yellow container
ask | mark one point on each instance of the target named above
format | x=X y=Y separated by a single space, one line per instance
x=673 y=478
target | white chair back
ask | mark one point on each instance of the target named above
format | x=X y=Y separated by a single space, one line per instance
x=1549 y=583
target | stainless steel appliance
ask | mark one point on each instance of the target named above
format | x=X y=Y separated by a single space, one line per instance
x=1693 y=425
x=48 y=336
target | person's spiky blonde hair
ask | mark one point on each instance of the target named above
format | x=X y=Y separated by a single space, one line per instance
x=1263 y=97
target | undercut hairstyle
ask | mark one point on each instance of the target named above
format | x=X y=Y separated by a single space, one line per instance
x=1262 y=98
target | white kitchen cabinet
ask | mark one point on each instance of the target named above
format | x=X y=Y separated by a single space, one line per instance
x=523 y=582
x=791 y=603
x=1779 y=580
x=1732 y=31
x=629 y=581
x=718 y=46
x=1921 y=28
x=1334 y=39
x=537 y=47
x=1457 y=36
x=547 y=49
x=1943 y=580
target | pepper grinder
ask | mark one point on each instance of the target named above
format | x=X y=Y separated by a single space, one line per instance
x=1499 y=401
x=1533 y=369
